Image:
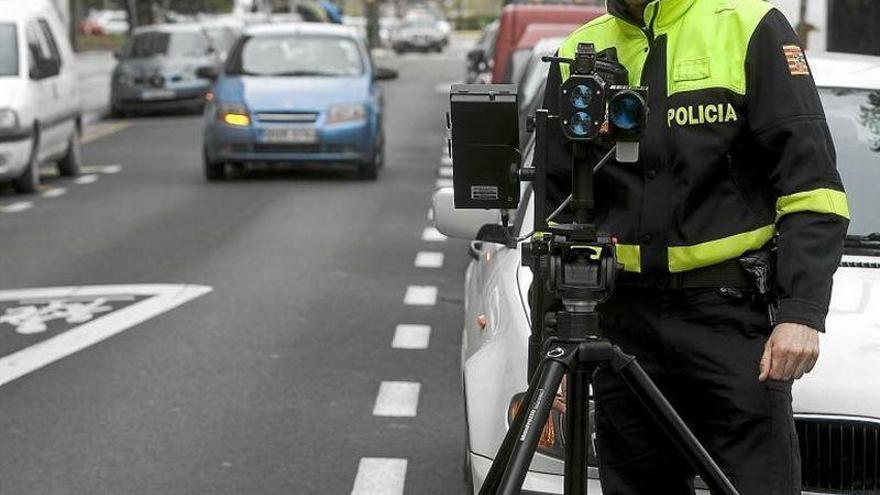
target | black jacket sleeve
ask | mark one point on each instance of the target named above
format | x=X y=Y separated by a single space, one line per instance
x=791 y=143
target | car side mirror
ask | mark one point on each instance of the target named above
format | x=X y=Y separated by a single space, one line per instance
x=209 y=72
x=465 y=224
x=384 y=74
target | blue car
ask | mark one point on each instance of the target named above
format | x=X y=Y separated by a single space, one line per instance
x=296 y=93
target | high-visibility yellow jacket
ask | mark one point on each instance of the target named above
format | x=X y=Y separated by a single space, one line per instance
x=737 y=151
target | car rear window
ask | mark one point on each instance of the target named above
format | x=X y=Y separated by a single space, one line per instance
x=8 y=50
x=179 y=44
x=297 y=55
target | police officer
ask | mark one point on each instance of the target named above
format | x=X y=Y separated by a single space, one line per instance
x=736 y=158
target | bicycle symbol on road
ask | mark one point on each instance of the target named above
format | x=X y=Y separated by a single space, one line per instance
x=30 y=319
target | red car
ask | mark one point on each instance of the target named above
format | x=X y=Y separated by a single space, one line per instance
x=515 y=18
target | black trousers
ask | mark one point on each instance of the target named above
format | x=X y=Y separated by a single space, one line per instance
x=703 y=349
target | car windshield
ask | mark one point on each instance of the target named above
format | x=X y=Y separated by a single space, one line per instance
x=533 y=79
x=330 y=56
x=8 y=50
x=854 y=119
x=155 y=43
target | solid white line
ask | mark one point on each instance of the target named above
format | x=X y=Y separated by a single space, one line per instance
x=441 y=182
x=54 y=192
x=17 y=207
x=164 y=298
x=86 y=179
x=380 y=476
x=397 y=399
x=429 y=259
x=445 y=172
x=420 y=295
x=446 y=161
x=111 y=169
x=430 y=234
x=411 y=337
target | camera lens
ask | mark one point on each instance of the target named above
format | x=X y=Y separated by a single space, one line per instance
x=581 y=96
x=580 y=123
x=626 y=110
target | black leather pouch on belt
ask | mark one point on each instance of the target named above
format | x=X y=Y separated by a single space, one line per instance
x=760 y=266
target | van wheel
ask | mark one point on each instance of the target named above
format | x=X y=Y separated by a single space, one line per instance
x=29 y=181
x=71 y=163
x=213 y=170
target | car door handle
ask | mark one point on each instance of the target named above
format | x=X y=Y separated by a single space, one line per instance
x=474 y=249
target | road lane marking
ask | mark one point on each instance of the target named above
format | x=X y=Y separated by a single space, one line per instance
x=429 y=259
x=86 y=179
x=54 y=192
x=17 y=207
x=380 y=476
x=397 y=399
x=420 y=295
x=102 y=131
x=408 y=336
x=160 y=298
x=446 y=161
x=441 y=182
x=445 y=172
x=111 y=169
x=430 y=234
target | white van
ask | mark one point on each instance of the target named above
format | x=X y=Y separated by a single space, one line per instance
x=40 y=111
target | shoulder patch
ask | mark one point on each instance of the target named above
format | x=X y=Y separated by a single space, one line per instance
x=797 y=61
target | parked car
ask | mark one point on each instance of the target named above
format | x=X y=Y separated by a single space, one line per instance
x=223 y=35
x=106 y=22
x=40 y=112
x=297 y=93
x=837 y=406
x=422 y=33
x=534 y=33
x=479 y=58
x=531 y=84
x=515 y=18
x=156 y=69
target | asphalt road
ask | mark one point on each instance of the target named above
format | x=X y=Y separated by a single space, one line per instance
x=268 y=383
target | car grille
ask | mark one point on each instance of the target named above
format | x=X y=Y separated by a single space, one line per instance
x=287 y=117
x=840 y=454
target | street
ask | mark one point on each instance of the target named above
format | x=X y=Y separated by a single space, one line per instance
x=262 y=350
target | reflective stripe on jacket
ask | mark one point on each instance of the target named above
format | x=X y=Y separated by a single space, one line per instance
x=737 y=150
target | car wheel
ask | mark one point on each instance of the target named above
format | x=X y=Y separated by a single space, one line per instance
x=29 y=180
x=369 y=170
x=70 y=164
x=214 y=170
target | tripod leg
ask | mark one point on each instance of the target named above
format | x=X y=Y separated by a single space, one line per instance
x=526 y=441
x=577 y=428
x=666 y=416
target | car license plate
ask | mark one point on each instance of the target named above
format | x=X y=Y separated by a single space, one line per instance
x=157 y=94
x=301 y=135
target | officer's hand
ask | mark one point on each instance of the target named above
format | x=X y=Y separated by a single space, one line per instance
x=791 y=351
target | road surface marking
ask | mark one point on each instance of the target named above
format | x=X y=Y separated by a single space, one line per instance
x=445 y=172
x=160 y=298
x=17 y=207
x=430 y=234
x=54 y=192
x=380 y=476
x=102 y=131
x=446 y=161
x=111 y=169
x=411 y=337
x=397 y=399
x=429 y=259
x=441 y=182
x=86 y=179
x=420 y=295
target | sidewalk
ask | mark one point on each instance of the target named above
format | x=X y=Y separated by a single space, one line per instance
x=95 y=69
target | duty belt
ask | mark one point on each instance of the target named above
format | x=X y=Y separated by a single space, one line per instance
x=724 y=274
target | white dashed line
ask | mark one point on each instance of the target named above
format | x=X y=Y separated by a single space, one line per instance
x=86 y=179
x=17 y=207
x=420 y=295
x=397 y=399
x=446 y=161
x=429 y=259
x=111 y=169
x=441 y=182
x=445 y=172
x=380 y=476
x=411 y=337
x=54 y=192
x=430 y=234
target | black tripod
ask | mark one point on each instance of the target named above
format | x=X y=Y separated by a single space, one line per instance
x=575 y=265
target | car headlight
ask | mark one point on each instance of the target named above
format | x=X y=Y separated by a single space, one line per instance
x=552 y=441
x=234 y=114
x=8 y=120
x=346 y=113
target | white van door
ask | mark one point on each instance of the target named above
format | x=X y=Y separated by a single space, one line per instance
x=44 y=64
